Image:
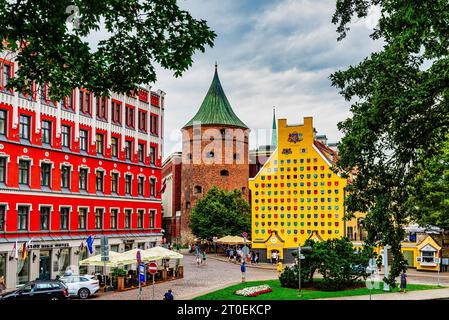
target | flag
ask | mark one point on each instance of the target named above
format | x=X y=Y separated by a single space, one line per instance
x=90 y=242
x=24 y=250
x=15 y=251
x=164 y=185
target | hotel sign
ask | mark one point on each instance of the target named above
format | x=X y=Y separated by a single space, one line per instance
x=49 y=246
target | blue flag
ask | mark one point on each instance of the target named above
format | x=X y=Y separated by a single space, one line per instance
x=90 y=242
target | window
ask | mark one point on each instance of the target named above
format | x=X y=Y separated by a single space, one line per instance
x=45 y=174
x=24 y=127
x=427 y=256
x=142 y=121
x=45 y=218
x=84 y=138
x=128 y=148
x=83 y=179
x=65 y=177
x=22 y=220
x=2 y=170
x=68 y=102
x=24 y=172
x=128 y=218
x=85 y=102
x=82 y=218
x=2 y=217
x=114 y=147
x=64 y=218
x=140 y=214
x=152 y=218
x=114 y=182
x=141 y=152
x=7 y=74
x=66 y=136
x=140 y=184
x=99 y=181
x=114 y=218
x=198 y=189
x=99 y=143
x=224 y=173
x=99 y=218
x=46 y=132
x=152 y=155
x=116 y=112
x=152 y=187
x=153 y=125
x=102 y=108
x=128 y=179
x=129 y=116
x=3 y=122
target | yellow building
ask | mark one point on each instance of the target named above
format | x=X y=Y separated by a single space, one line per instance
x=296 y=195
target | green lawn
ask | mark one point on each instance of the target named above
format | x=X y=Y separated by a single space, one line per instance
x=280 y=293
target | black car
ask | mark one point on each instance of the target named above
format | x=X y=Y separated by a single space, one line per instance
x=39 y=290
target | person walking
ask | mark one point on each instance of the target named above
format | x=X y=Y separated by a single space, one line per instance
x=243 y=270
x=256 y=258
x=168 y=295
x=2 y=284
x=198 y=260
x=403 y=285
x=204 y=257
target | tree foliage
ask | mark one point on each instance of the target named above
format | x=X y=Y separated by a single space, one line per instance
x=139 y=34
x=400 y=110
x=429 y=191
x=220 y=213
x=336 y=260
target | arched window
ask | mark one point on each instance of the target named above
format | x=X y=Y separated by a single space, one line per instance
x=198 y=189
x=223 y=132
x=224 y=173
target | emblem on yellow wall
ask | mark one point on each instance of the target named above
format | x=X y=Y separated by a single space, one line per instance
x=294 y=137
x=287 y=151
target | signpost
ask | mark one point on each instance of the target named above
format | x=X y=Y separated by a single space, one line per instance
x=215 y=239
x=386 y=286
x=139 y=260
x=104 y=247
x=245 y=235
x=152 y=269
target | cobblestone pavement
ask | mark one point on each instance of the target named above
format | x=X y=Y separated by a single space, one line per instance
x=197 y=281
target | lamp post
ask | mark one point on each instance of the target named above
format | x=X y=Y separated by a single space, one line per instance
x=386 y=285
x=300 y=250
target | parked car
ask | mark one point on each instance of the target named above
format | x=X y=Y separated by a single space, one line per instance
x=82 y=286
x=39 y=290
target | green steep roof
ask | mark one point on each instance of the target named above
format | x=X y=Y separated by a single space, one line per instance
x=216 y=109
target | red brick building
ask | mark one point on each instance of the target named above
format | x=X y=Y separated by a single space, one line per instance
x=73 y=168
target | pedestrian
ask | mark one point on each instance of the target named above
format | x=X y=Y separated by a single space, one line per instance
x=204 y=257
x=403 y=281
x=248 y=258
x=256 y=258
x=273 y=257
x=279 y=268
x=168 y=295
x=243 y=270
x=2 y=284
x=198 y=259
x=231 y=254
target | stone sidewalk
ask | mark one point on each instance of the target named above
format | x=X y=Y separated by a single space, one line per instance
x=413 y=295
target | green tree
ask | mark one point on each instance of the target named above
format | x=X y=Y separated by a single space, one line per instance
x=220 y=213
x=429 y=191
x=400 y=110
x=336 y=260
x=49 y=40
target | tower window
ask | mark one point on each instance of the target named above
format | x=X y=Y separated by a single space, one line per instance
x=222 y=131
x=198 y=189
x=224 y=173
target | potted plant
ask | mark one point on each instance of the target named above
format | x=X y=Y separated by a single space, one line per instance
x=120 y=274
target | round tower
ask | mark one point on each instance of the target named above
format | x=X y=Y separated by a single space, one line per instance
x=214 y=153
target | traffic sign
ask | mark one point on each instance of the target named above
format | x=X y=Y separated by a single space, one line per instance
x=245 y=250
x=152 y=268
x=142 y=273
x=245 y=234
x=302 y=257
x=215 y=239
x=138 y=257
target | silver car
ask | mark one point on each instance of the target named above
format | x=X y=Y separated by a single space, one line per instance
x=81 y=286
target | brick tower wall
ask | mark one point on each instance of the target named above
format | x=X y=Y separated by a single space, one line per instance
x=198 y=170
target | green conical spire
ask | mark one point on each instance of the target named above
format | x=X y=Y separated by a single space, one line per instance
x=216 y=109
x=274 y=134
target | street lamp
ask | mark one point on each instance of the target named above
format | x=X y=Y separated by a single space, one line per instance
x=300 y=256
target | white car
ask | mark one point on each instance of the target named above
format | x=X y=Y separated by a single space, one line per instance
x=81 y=286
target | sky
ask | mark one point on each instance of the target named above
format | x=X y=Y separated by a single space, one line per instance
x=269 y=53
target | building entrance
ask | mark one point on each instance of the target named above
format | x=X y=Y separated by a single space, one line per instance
x=45 y=265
